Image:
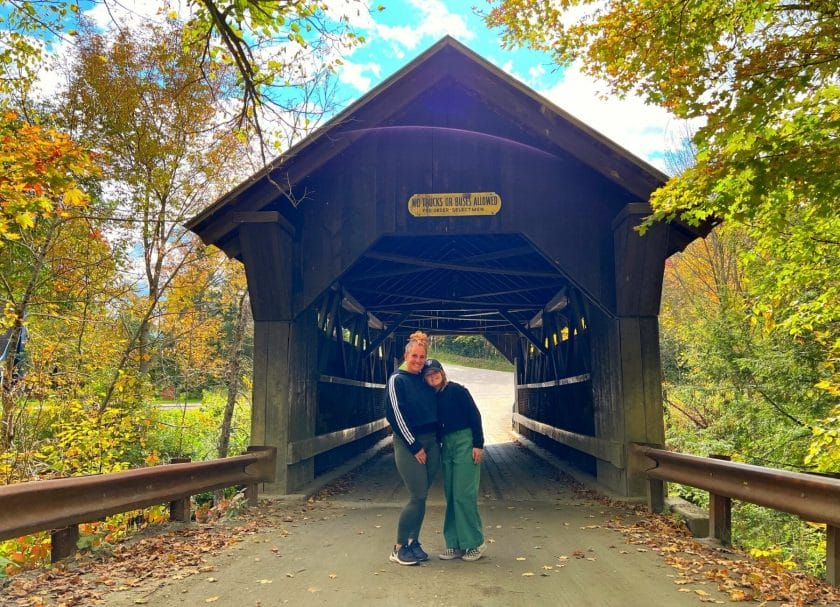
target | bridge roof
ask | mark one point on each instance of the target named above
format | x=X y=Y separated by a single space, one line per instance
x=542 y=124
x=445 y=281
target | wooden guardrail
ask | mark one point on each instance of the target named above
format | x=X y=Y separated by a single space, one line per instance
x=60 y=505
x=813 y=498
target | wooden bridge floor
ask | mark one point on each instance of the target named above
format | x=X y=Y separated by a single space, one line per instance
x=549 y=542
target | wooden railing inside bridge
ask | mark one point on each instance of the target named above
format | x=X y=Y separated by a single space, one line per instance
x=61 y=505
x=310 y=447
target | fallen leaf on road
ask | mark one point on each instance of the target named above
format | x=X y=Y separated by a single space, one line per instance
x=212 y=599
x=527 y=574
x=264 y=581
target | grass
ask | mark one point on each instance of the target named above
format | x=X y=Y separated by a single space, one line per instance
x=494 y=364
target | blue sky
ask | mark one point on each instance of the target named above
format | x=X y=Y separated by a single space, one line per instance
x=406 y=28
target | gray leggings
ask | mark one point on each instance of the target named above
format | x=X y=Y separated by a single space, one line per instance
x=417 y=478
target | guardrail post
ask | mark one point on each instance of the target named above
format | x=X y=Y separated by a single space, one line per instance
x=179 y=510
x=656 y=490
x=832 y=555
x=720 y=513
x=63 y=542
x=252 y=490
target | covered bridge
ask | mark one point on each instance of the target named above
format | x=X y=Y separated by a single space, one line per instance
x=452 y=199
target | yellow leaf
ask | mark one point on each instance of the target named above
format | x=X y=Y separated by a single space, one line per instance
x=74 y=197
x=212 y=599
x=24 y=220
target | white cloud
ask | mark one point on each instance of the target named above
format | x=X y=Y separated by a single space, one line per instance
x=438 y=20
x=435 y=20
x=354 y=74
x=536 y=72
x=133 y=12
x=644 y=130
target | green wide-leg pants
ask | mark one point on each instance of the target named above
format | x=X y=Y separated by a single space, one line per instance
x=462 y=526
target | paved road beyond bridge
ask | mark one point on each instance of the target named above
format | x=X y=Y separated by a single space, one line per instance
x=550 y=541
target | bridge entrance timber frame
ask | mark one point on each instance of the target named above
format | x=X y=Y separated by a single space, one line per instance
x=452 y=199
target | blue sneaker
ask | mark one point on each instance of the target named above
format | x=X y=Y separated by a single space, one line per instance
x=418 y=551
x=403 y=556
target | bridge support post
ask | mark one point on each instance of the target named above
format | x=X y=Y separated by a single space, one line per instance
x=285 y=393
x=627 y=388
x=626 y=366
x=285 y=348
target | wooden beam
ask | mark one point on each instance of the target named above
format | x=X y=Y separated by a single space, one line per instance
x=524 y=332
x=263 y=217
x=442 y=265
x=387 y=333
x=501 y=254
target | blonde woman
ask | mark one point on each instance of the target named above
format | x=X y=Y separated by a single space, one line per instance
x=459 y=422
x=411 y=409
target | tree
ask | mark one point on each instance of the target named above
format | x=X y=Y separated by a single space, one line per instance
x=763 y=78
x=165 y=154
x=284 y=53
x=41 y=175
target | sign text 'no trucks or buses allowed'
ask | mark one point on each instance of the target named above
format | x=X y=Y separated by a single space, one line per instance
x=454 y=204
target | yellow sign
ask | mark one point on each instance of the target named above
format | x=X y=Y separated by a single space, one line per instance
x=453 y=205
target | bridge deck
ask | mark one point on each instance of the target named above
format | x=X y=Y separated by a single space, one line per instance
x=550 y=542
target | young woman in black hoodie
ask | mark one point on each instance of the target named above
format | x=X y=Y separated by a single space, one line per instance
x=459 y=427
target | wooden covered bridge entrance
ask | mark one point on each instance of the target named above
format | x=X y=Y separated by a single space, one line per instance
x=451 y=199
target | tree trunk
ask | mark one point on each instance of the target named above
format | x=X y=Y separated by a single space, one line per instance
x=234 y=366
x=7 y=424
